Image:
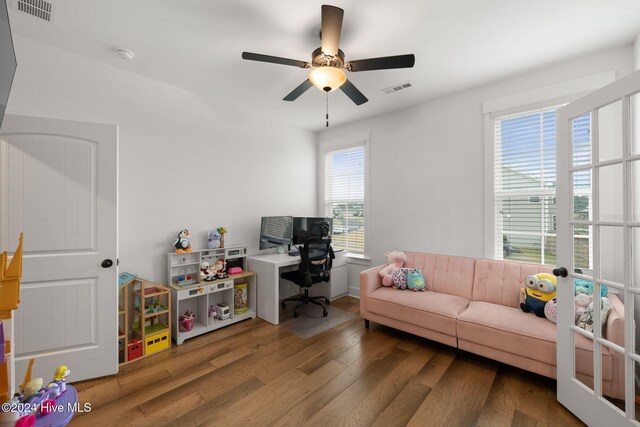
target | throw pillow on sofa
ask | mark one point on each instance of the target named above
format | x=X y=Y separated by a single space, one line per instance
x=586 y=319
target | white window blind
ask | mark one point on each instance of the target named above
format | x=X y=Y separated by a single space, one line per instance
x=525 y=186
x=344 y=196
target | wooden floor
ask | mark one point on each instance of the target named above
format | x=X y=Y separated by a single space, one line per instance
x=257 y=374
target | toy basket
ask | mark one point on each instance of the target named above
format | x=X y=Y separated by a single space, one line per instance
x=185 y=325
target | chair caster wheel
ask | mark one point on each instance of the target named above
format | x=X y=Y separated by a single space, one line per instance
x=325 y=313
x=295 y=315
x=283 y=305
x=328 y=302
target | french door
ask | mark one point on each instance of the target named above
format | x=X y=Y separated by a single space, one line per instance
x=598 y=198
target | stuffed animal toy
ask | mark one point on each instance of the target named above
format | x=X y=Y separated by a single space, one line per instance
x=415 y=280
x=551 y=310
x=581 y=302
x=206 y=272
x=540 y=289
x=213 y=239
x=586 y=320
x=182 y=242
x=396 y=259
x=399 y=278
x=582 y=286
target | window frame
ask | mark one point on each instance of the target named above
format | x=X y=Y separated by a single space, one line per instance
x=543 y=97
x=328 y=146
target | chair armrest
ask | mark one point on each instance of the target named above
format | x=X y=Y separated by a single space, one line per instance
x=370 y=280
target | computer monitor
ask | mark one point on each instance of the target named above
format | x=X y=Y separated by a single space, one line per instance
x=275 y=231
x=305 y=227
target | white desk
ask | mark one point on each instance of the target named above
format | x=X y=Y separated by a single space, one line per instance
x=268 y=269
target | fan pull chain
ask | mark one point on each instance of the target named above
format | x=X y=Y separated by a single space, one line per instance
x=327 y=109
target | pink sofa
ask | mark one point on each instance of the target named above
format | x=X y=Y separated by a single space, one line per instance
x=472 y=304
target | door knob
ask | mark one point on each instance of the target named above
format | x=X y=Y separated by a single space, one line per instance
x=560 y=272
x=107 y=263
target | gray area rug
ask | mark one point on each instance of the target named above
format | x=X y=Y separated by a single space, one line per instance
x=311 y=322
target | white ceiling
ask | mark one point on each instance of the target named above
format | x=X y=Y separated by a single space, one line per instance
x=196 y=45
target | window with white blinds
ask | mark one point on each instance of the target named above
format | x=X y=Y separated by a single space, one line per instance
x=525 y=186
x=344 y=196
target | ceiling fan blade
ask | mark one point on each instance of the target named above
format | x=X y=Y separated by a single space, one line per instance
x=353 y=93
x=331 y=28
x=294 y=94
x=383 y=63
x=274 y=60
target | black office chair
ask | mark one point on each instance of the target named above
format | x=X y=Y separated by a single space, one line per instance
x=316 y=259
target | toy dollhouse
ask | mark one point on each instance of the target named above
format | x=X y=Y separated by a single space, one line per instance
x=144 y=318
x=9 y=299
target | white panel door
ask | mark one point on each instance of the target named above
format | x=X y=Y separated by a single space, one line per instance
x=58 y=185
x=598 y=194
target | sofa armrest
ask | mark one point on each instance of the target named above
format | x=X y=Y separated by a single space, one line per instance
x=614 y=327
x=614 y=332
x=370 y=280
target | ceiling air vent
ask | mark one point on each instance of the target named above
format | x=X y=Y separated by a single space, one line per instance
x=40 y=9
x=397 y=88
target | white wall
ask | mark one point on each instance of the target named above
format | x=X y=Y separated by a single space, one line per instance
x=427 y=162
x=636 y=53
x=185 y=160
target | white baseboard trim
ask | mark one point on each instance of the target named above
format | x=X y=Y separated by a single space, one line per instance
x=354 y=292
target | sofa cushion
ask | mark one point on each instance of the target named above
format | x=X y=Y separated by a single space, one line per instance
x=523 y=334
x=499 y=282
x=443 y=273
x=430 y=310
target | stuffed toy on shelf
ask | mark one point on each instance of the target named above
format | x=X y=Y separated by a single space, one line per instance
x=540 y=289
x=396 y=259
x=182 y=242
x=213 y=239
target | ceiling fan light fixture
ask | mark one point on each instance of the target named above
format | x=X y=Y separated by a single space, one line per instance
x=327 y=79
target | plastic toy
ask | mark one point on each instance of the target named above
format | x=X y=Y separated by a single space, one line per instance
x=213 y=239
x=34 y=402
x=582 y=286
x=182 y=242
x=235 y=270
x=396 y=259
x=223 y=311
x=415 y=280
x=540 y=289
x=218 y=270
x=10 y=274
x=551 y=310
x=222 y=232
x=59 y=383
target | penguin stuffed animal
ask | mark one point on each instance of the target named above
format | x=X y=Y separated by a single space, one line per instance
x=182 y=242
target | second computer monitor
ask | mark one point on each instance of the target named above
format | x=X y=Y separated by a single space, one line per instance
x=306 y=227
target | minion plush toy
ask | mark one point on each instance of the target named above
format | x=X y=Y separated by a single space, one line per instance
x=540 y=289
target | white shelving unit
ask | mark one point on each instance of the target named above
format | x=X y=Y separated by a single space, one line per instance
x=197 y=296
